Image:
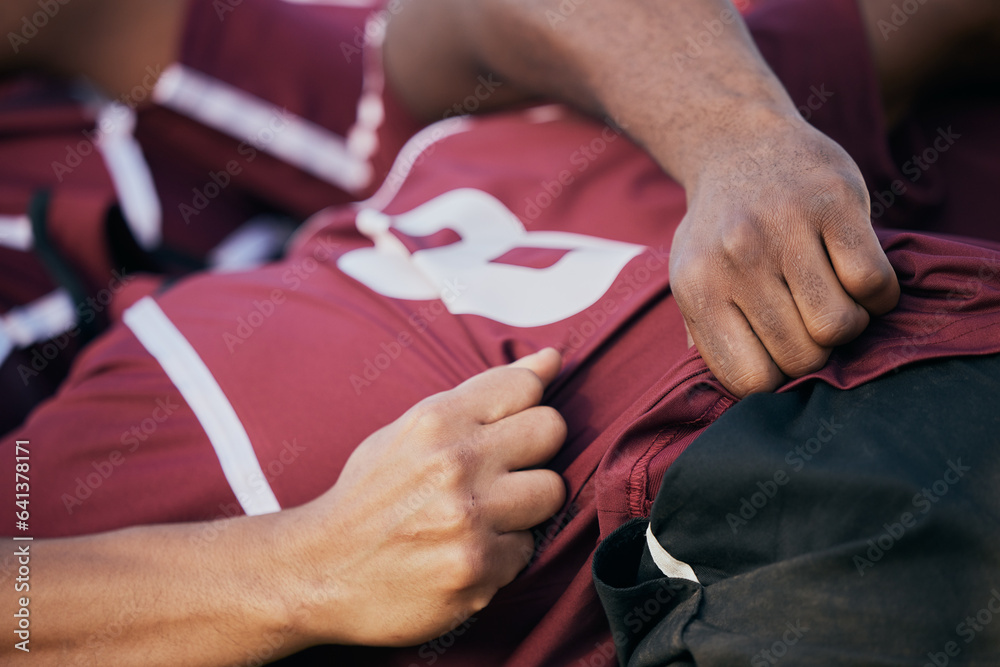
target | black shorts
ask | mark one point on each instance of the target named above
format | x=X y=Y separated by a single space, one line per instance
x=824 y=527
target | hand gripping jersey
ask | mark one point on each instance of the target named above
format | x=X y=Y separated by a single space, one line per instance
x=246 y=392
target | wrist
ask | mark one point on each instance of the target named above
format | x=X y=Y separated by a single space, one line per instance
x=307 y=577
x=273 y=567
x=732 y=136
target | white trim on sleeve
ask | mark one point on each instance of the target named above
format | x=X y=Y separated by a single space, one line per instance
x=269 y=128
x=668 y=565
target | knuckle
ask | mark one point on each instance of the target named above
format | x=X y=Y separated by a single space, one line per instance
x=552 y=492
x=453 y=464
x=836 y=327
x=529 y=384
x=752 y=381
x=456 y=513
x=692 y=289
x=839 y=198
x=741 y=245
x=432 y=415
x=807 y=360
x=466 y=566
x=825 y=205
x=549 y=423
x=871 y=278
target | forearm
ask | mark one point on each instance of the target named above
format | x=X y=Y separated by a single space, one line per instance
x=683 y=77
x=193 y=594
x=114 y=43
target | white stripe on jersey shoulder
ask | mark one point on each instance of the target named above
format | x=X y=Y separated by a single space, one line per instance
x=191 y=376
x=15 y=232
x=668 y=565
x=404 y=163
x=265 y=126
x=410 y=155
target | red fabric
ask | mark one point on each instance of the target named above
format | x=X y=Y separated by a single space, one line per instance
x=936 y=171
x=632 y=392
x=288 y=55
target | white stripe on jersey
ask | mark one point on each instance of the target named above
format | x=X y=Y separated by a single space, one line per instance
x=215 y=413
x=15 y=232
x=668 y=565
x=264 y=126
x=130 y=174
x=42 y=319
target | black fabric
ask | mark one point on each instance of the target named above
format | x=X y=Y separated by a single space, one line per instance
x=57 y=266
x=826 y=527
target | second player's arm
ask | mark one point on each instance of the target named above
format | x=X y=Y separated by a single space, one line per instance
x=429 y=517
x=773 y=264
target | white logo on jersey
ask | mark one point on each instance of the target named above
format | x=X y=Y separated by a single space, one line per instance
x=466 y=273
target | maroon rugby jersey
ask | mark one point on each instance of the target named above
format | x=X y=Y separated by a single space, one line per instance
x=491 y=238
x=366 y=317
x=273 y=111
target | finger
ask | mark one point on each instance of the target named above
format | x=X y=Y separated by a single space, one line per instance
x=829 y=314
x=862 y=267
x=500 y=392
x=510 y=553
x=545 y=364
x=525 y=439
x=733 y=353
x=774 y=317
x=522 y=499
